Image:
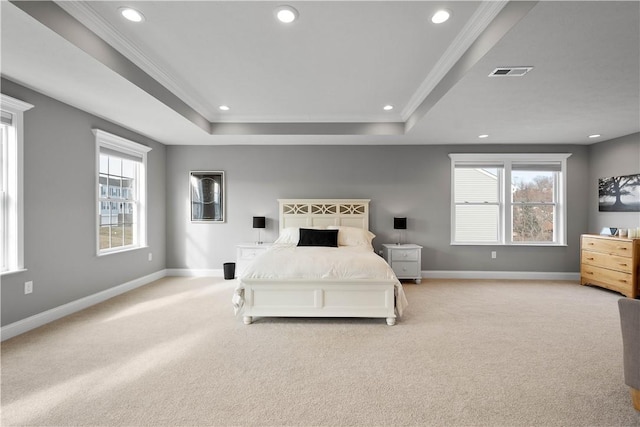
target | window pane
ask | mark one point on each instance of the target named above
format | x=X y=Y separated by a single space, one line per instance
x=476 y=185
x=105 y=213
x=120 y=213
x=128 y=168
x=114 y=188
x=127 y=213
x=533 y=223
x=128 y=234
x=115 y=166
x=116 y=236
x=104 y=237
x=127 y=189
x=114 y=213
x=532 y=186
x=102 y=182
x=476 y=223
x=104 y=164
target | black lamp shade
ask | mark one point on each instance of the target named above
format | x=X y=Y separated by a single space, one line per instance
x=400 y=223
x=259 y=222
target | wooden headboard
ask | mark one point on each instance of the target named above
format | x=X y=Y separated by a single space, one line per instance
x=323 y=212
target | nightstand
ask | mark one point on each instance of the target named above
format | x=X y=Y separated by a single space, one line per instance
x=405 y=260
x=246 y=252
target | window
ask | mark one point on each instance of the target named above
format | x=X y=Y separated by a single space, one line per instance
x=508 y=199
x=11 y=183
x=121 y=193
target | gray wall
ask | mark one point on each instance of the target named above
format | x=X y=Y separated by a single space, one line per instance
x=59 y=211
x=620 y=156
x=411 y=181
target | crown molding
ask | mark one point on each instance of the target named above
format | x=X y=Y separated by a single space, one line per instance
x=9 y=102
x=478 y=22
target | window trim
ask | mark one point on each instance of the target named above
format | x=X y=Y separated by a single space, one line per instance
x=15 y=182
x=505 y=216
x=129 y=148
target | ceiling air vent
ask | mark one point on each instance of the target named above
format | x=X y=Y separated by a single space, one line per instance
x=510 y=71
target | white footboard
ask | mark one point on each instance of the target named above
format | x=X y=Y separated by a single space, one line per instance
x=319 y=298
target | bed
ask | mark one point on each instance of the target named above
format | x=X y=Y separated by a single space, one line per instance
x=345 y=281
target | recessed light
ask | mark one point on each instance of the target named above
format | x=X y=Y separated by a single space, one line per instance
x=440 y=16
x=483 y=136
x=131 y=14
x=286 y=14
x=595 y=135
x=224 y=107
x=388 y=107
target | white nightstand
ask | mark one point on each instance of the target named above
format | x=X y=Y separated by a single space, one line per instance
x=246 y=252
x=405 y=260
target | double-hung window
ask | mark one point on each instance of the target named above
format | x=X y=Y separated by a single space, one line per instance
x=121 y=193
x=11 y=183
x=508 y=199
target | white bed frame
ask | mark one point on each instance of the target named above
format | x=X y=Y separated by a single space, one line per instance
x=320 y=298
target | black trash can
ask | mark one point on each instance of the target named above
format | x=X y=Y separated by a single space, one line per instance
x=229 y=270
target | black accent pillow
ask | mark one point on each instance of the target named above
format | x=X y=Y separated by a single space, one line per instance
x=311 y=237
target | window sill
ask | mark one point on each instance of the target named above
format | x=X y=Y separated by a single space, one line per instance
x=6 y=273
x=119 y=251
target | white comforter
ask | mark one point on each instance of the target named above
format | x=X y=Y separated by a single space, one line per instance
x=286 y=261
x=345 y=262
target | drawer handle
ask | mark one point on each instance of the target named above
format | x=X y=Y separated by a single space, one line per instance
x=623 y=265
x=590 y=258
x=589 y=272
x=622 y=281
x=622 y=248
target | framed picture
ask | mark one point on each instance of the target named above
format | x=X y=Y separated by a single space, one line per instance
x=207 y=194
x=619 y=194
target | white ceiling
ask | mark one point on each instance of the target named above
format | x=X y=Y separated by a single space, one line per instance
x=325 y=78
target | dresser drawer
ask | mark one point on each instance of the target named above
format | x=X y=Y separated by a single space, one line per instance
x=622 y=248
x=614 y=280
x=404 y=269
x=612 y=262
x=404 y=255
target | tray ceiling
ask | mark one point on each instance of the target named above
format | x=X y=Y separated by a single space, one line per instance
x=325 y=78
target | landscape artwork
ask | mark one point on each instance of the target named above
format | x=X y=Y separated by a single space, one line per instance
x=619 y=193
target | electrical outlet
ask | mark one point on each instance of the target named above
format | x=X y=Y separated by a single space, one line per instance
x=150 y=256
x=28 y=287
x=494 y=255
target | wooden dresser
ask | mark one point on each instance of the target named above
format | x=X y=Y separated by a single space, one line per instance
x=610 y=262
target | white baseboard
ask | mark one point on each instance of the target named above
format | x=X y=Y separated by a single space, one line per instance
x=194 y=272
x=509 y=275
x=13 y=329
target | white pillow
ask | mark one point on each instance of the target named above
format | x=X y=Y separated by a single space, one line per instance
x=353 y=236
x=291 y=235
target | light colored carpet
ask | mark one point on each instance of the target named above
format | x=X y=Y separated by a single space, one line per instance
x=466 y=353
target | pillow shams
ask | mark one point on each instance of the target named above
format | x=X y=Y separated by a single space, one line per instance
x=353 y=236
x=311 y=237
